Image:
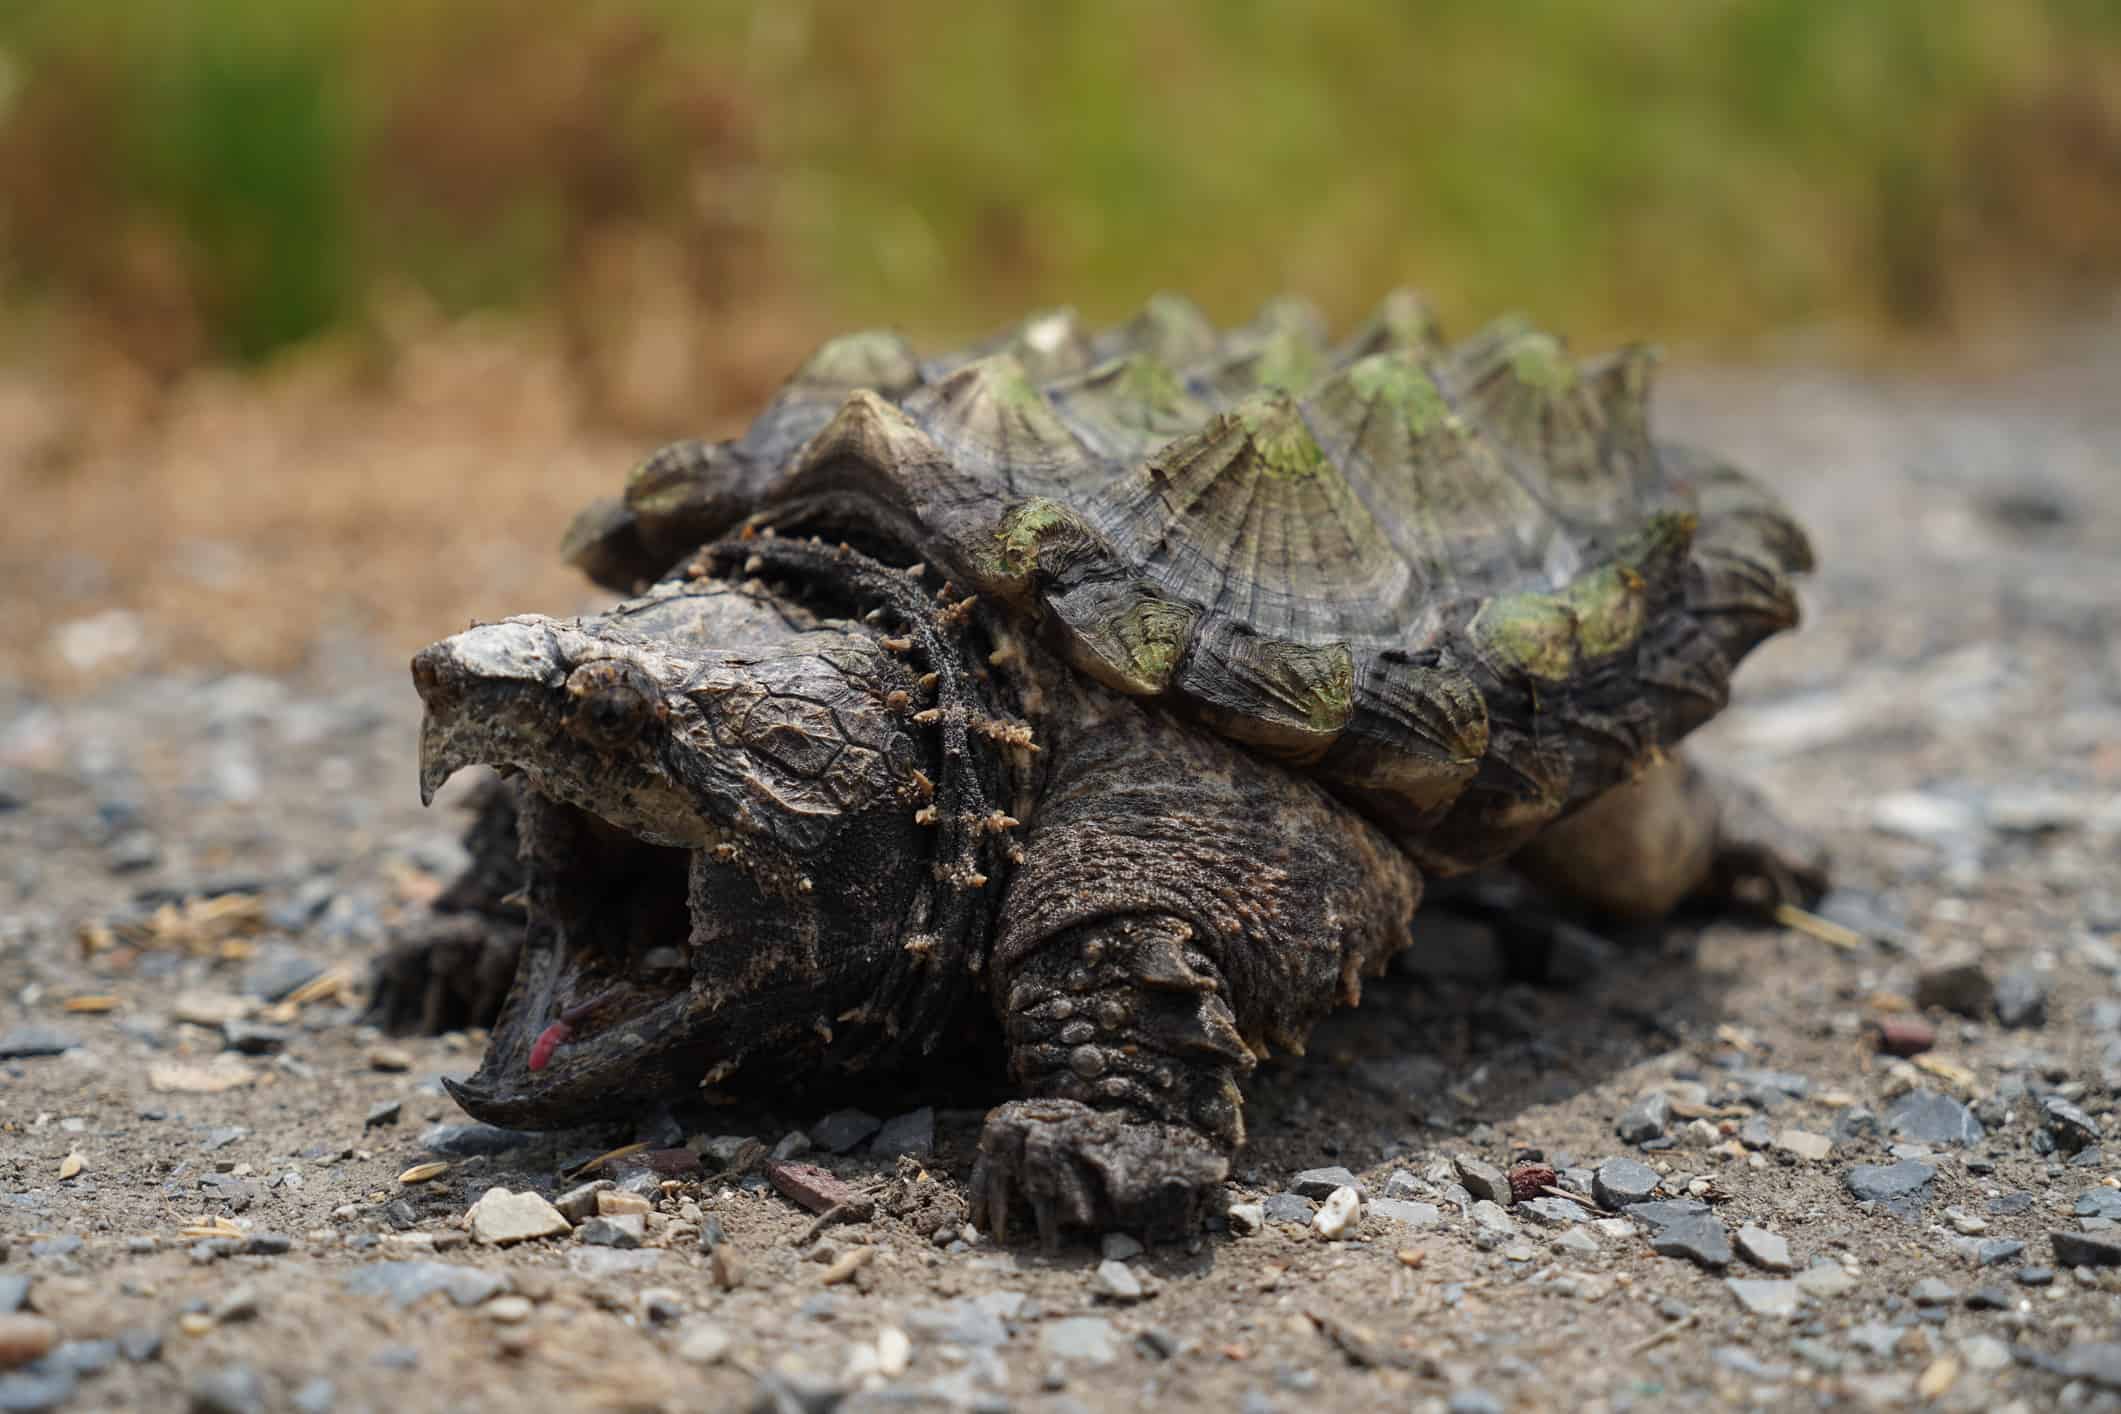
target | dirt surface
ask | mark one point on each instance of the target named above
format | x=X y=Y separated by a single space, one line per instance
x=218 y=1168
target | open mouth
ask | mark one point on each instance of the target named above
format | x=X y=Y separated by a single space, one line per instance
x=604 y=983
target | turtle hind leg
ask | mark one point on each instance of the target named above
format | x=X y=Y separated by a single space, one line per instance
x=449 y=966
x=1677 y=835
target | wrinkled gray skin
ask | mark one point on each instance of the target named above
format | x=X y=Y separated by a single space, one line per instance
x=753 y=840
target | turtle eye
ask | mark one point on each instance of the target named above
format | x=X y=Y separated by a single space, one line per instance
x=609 y=708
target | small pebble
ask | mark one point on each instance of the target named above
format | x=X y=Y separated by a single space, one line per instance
x=226 y=1389
x=1483 y=1180
x=1764 y=1249
x=1320 y=1184
x=1620 y=1182
x=1337 y=1213
x=24 y=1338
x=1646 y=1119
x=2021 y=999
x=1115 y=1281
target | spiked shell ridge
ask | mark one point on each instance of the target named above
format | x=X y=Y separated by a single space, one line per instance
x=1461 y=584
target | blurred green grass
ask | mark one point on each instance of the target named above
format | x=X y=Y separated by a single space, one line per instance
x=225 y=178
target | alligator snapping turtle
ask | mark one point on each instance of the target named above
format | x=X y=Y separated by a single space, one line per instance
x=1128 y=683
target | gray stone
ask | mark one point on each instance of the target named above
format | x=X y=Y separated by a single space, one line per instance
x=1765 y=1298
x=1901 y=1188
x=1646 y=1119
x=253 y=1038
x=1088 y=1340
x=268 y=1244
x=1928 y=1117
x=1489 y=1217
x=2097 y=1361
x=23 y=1042
x=1998 y=1250
x=1288 y=1208
x=966 y=1323
x=14 y=1292
x=1876 y=1338
x=39 y=1387
x=1756 y=1133
x=840 y=1131
x=1319 y=1183
x=316 y=1396
x=1988 y=1298
x=2071 y=1127
x=1115 y=1281
x=1742 y=1361
x=383 y=1113
x=1933 y=1291
x=405 y=1283
x=1764 y=1249
x=276 y=970
x=1619 y=1183
x=2085 y=1249
x=2006 y=1205
x=139 y=1344
x=2034 y=1276
x=579 y=1204
x=87 y=1357
x=1701 y=1241
x=619 y=1230
x=1403 y=1184
x=1551 y=1212
x=2021 y=999
x=1414 y=1215
x=1473 y=1401
x=226 y=1389
x=1985 y=1354
x=1482 y=1179
x=912 y=1133
x=2099 y=1202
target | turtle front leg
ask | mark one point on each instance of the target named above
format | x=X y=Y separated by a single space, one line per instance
x=1181 y=906
x=1126 y=1033
x=1676 y=834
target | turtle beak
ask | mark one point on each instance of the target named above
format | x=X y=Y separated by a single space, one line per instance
x=480 y=689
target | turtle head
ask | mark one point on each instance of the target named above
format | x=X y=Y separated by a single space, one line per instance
x=718 y=837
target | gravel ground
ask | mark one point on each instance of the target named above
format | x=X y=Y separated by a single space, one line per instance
x=1723 y=1165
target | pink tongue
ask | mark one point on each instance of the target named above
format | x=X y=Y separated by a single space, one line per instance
x=549 y=1040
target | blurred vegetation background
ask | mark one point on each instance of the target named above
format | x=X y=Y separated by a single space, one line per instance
x=220 y=179
x=321 y=318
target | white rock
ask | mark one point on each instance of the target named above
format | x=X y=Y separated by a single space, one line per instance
x=894 y=1351
x=1340 y=1210
x=502 y=1217
x=1247 y=1218
x=704 y=1342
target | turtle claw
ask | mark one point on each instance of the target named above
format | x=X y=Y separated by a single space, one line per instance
x=1092 y=1171
x=444 y=972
